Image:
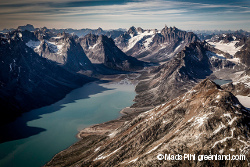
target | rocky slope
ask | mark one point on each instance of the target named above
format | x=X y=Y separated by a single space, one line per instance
x=102 y=50
x=29 y=81
x=240 y=85
x=182 y=72
x=154 y=45
x=206 y=120
x=244 y=53
x=62 y=48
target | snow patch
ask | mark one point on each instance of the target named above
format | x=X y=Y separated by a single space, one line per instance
x=101 y=156
x=232 y=120
x=200 y=120
x=219 y=128
x=92 y=47
x=97 y=149
x=244 y=100
x=232 y=149
x=133 y=160
x=134 y=39
x=226 y=47
x=221 y=151
x=58 y=37
x=33 y=44
x=154 y=148
x=227 y=115
x=111 y=135
x=225 y=139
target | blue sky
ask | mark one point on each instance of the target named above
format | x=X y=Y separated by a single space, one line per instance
x=112 y=14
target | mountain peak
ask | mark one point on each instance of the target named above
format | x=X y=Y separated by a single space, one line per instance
x=207 y=84
x=99 y=30
x=132 y=30
x=139 y=29
x=28 y=27
x=202 y=121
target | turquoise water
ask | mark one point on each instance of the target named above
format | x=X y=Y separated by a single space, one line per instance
x=221 y=81
x=55 y=126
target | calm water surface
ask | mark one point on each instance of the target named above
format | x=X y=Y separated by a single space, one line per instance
x=54 y=127
x=221 y=81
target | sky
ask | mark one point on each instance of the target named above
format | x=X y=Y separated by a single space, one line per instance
x=113 y=14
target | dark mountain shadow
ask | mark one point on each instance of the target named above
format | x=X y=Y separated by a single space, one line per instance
x=19 y=129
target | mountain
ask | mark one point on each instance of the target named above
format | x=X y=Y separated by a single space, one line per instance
x=154 y=45
x=207 y=120
x=167 y=81
x=240 y=87
x=236 y=44
x=102 y=50
x=29 y=81
x=62 y=48
x=82 y=32
x=79 y=32
x=208 y=34
x=27 y=27
x=244 y=53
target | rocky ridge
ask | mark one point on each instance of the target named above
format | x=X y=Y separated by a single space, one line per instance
x=194 y=63
x=205 y=120
x=29 y=81
x=153 y=45
x=102 y=50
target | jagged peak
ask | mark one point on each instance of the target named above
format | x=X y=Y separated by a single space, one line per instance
x=132 y=30
x=139 y=29
x=99 y=29
x=206 y=84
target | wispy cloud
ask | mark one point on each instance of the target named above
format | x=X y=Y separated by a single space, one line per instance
x=115 y=14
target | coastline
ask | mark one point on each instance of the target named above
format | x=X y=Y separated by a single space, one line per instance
x=106 y=128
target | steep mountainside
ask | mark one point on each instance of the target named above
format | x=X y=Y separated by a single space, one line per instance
x=181 y=73
x=62 y=48
x=79 y=32
x=240 y=87
x=244 y=53
x=102 y=50
x=82 y=32
x=236 y=45
x=29 y=81
x=154 y=45
x=205 y=121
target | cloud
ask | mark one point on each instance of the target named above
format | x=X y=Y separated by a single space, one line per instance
x=107 y=13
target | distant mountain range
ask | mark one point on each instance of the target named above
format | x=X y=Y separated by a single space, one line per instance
x=79 y=32
x=154 y=45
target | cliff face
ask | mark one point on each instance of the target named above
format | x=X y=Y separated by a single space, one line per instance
x=102 y=50
x=180 y=74
x=29 y=81
x=153 y=45
x=206 y=120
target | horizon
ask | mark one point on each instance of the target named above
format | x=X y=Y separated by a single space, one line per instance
x=126 y=29
x=112 y=14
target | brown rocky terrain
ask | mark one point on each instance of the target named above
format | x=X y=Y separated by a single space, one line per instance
x=194 y=63
x=205 y=120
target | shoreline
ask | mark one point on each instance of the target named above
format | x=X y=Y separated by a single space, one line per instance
x=106 y=128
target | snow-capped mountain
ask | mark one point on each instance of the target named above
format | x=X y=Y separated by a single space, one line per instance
x=154 y=45
x=102 y=50
x=206 y=120
x=167 y=81
x=236 y=45
x=79 y=32
x=240 y=87
x=27 y=80
x=62 y=48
